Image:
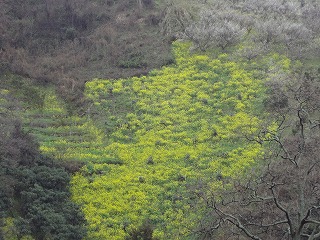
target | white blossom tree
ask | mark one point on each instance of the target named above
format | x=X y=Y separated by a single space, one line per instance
x=215 y=30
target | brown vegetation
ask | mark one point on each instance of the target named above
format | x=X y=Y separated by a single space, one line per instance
x=68 y=42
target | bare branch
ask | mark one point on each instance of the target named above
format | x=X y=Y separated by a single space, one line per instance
x=270 y=224
x=315 y=236
x=282 y=208
x=313 y=221
x=287 y=155
x=235 y=221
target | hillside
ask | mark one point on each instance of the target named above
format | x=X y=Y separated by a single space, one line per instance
x=70 y=42
x=159 y=120
x=144 y=146
x=34 y=192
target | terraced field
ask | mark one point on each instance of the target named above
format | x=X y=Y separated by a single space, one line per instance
x=63 y=136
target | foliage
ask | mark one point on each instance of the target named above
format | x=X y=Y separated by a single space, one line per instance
x=35 y=200
x=170 y=128
x=146 y=140
x=144 y=232
x=46 y=205
x=280 y=198
x=62 y=136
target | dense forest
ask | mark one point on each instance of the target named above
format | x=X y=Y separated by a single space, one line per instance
x=159 y=119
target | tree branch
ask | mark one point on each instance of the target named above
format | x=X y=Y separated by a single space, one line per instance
x=315 y=236
x=281 y=208
x=313 y=221
x=287 y=155
x=235 y=221
x=269 y=225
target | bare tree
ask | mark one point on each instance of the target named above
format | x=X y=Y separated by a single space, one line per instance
x=280 y=199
